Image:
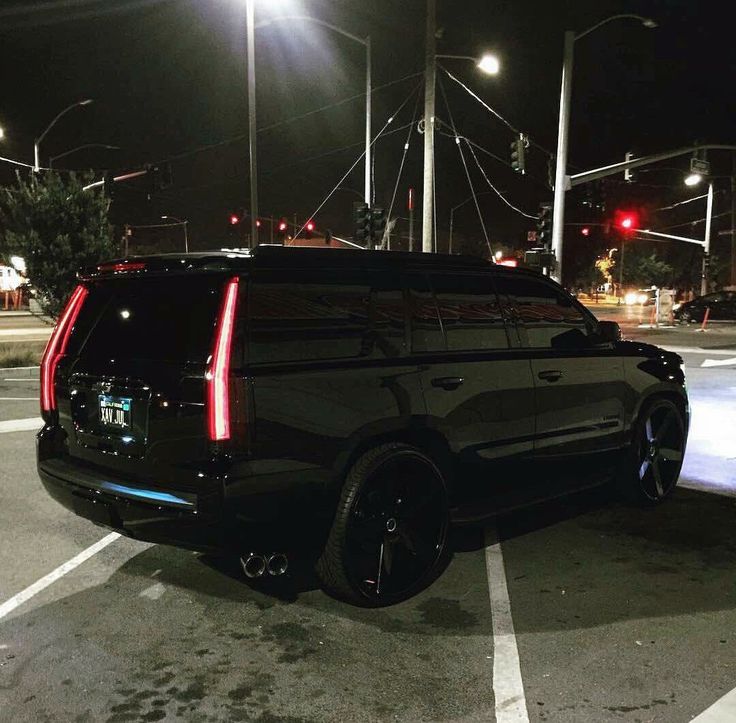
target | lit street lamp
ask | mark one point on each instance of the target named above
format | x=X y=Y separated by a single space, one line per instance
x=184 y=226
x=37 y=143
x=79 y=148
x=2 y=134
x=488 y=64
x=366 y=42
x=562 y=182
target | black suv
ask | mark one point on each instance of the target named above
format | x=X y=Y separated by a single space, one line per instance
x=356 y=403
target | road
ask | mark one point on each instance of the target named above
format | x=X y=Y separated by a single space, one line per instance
x=614 y=614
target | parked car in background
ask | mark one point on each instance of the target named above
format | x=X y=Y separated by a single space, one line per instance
x=722 y=305
x=353 y=403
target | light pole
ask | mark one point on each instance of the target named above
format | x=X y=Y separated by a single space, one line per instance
x=251 y=69
x=693 y=179
x=37 y=142
x=488 y=64
x=454 y=208
x=183 y=223
x=563 y=128
x=366 y=43
x=79 y=148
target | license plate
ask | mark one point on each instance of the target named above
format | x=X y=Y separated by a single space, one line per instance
x=115 y=412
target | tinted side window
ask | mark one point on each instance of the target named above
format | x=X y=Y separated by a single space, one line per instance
x=318 y=318
x=470 y=312
x=545 y=316
x=426 y=330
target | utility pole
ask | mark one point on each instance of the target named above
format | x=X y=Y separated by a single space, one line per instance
x=563 y=128
x=251 y=63
x=411 y=219
x=429 y=87
x=368 y=121
x=706 y=245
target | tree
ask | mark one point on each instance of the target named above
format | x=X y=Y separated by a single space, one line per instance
x=57 y=228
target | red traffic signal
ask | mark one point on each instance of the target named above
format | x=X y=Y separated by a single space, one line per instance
x=626 y=220
x=234 y=219
x=258 y=223
x=310 y=226
x=283 y=226
x=585 y=230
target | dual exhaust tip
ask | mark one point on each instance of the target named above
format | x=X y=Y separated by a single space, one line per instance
x=255 y=565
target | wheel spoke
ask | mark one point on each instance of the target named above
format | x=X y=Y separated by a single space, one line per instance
x=657 y=477
x=643 y=469
x=670 y=454
x=650 y=434
x=378 y=575
x=664 y=428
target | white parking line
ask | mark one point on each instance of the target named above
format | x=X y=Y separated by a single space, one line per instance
x=722 y=711
x=508 y=688
x=24 y=595
x=18 y=399
x=697 y=350
x=27 y=380
x=21 y=425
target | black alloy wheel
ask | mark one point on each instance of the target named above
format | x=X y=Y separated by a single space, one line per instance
x=390 y=531
x=659 y=448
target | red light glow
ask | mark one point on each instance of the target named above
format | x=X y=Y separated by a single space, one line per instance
x=218 y=373
x=310 y=225
x=585 y=231
x=121 y=267
x=234 y=220
x=513 y=263
x=56 y=347
x=282 y=226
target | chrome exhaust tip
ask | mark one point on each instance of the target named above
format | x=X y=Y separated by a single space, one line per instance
x=277 y=563
x=254 y=565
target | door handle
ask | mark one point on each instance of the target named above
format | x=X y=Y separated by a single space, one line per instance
x=550 y=375
x=448 y=383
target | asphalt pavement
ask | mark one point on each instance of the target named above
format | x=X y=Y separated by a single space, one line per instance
x=585 y=611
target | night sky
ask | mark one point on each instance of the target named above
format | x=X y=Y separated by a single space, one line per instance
x=168 y=80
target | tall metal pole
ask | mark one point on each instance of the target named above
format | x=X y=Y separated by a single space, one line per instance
x=251 y=67
x=706 y=247
x=368 y=121
x=429 y=88
x=452 y=214
x=621 y=272
x=563 y=129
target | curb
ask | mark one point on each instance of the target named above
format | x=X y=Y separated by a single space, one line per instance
x=21 y=371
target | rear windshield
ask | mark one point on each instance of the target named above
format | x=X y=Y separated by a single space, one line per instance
x=162 y=319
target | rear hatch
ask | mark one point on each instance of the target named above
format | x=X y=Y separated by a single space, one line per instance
x=131 y=388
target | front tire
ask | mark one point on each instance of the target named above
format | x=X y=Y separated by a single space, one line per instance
x=652 y=464
x=389 y=537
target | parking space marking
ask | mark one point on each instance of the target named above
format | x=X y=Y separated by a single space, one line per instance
x=21 y=425
x=508 y=687
x=24 y=595
x=718 y=362
x=18 y=399
x=722 y=711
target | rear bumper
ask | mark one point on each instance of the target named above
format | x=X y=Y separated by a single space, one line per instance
x=149 y=515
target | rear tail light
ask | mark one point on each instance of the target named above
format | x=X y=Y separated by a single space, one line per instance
x=218 y=372
x=56 y=347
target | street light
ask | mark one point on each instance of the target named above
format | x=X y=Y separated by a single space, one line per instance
x=79 y=148
x=184 y=225
x=2 y=134
x=562 y=182
x=487 y=65
x=365 y=42
x=692 y=180
x=37 y=142
x=459 y=205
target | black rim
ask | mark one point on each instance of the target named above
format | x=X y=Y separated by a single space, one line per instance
x=397 y=527
x=660 y=452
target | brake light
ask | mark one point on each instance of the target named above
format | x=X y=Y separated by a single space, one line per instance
x=218 y=373
x=56 y=347
x=121 y=267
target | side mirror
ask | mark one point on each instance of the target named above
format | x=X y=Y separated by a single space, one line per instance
x=609 y=332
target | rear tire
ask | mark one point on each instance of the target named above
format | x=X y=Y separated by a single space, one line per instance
x=652 y=463
x=389 y=537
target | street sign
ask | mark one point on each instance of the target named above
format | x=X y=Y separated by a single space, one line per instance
x=698 y=165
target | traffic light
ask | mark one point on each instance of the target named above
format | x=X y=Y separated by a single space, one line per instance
x=626 y=221
x=308 y=229
x=518 y=150
x=234 y=218
x=281 y=228
x=378 y=224
x=361 y=222
x=585 y=230
x=544 y=224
